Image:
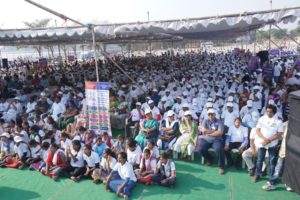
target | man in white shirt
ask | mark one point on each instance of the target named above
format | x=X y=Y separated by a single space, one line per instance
x=91 y=161
x=57 y=109
x=229 y=115
x=269 y=129
x=134 y=120
x=237 y=138
x=124 y=178
x=277 y=71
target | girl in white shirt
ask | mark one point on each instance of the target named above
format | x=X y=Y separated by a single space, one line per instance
x=107 y=164
x=147 y=167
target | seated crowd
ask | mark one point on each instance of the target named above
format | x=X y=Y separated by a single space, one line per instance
x=194 y=102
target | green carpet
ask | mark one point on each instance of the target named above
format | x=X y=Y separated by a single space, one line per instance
x=194 y=181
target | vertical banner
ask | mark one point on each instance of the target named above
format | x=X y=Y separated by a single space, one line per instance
x=97 y=97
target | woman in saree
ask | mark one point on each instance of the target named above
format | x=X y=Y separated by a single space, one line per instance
x=69 y=116
x=148 y=130
x=186 y=143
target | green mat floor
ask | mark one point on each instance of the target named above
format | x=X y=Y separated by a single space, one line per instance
x=194 y=181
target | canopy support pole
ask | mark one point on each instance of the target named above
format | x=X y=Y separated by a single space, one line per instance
x=286 y=34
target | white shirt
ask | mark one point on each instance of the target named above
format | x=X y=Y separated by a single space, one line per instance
x=7 y=149
x=269 y=127
x=79 y=156
x=125 y=171
x=91 y=160
x=21 y=149
x=134 y=157
x=155 y=112
x=64 y=145
x=135 y=116
x=229 y=117
x=35 y=151
x=104 y=163
x=277 y=70
x=4 y=107
x=30 y=107
x=237 y=134
x=168 y=167
x=57 y=108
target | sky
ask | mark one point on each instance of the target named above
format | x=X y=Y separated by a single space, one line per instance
x=14 y=12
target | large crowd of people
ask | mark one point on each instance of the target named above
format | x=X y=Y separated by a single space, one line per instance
x=177 y=105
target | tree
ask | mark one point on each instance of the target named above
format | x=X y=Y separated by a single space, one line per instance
x=38 y=23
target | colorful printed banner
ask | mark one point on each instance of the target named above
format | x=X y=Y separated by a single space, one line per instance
x=97 y=96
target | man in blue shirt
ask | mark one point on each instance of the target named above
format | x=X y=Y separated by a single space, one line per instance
x=212 y=138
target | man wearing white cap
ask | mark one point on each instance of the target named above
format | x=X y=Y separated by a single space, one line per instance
x=6 y=147
x=228 y=116
x=169 y=131
x=248 y=108
x=155 y=111
x=256 y=97
x=162 y=105
x=177 y=106
x=213 y=138
x=57 y=109
x=136 y=115
x=21 y=153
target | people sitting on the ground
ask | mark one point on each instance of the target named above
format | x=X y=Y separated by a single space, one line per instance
x=165 y=172
x=146 y=168
x=122 y=179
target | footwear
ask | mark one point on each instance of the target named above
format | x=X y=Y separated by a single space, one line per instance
x=268 y=187
x=289 y=189
x=208 y=164
x=255 y=179
x=125 y=197
x=251 y=172
x=221 y=171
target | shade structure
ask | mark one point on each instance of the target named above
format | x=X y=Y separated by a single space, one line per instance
x=205 y=28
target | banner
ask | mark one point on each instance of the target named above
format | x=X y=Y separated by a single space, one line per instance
x=97 y=97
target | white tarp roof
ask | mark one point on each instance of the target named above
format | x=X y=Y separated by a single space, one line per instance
x=206 y=28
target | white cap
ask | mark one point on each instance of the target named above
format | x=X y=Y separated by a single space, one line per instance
x=80 y=95
x=43 y=94
x=138 y=103
x=271 y=102
x=185 y=93
x=17 y=98
x=230 y=98
x=5 y=134
x=123 y=86
x=164 y=99
x=187 y=113
x=150 y=101
x=60 y=92
x=18 y=139
x=167 y=90
x=170 y=113
x=77 y=137
x=185 y=105
x=211 y=111
x=154 y=90
x=249 y=103
x=229 y=104
x=256 y=87
x=297 y=74
x=209 y=105
x=147 y=111
x=210 y=99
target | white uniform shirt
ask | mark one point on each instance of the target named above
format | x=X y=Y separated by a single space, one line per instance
x=91 y=160
x=134 y=157
x=112 y=163
x=79 y=157
x=269 y=127
x=125 y=171
x=237 y=134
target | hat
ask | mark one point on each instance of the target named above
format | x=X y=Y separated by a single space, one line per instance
x=167 y=90
x=138 y=103
x=230 y=99
x=178 y=97
x=256 y=87
x=271 y=102
x=123 y=86
x=150 y=101
x=17 y=98
x=18 y=139
x=187 y=113
x=43 y=94
x=185 y=93
x=249 y=103
x=297 y=74
x=210 y=99
x=80 y=95
x=185 y=105
x=60 y=93
x=229 y=104
x=209 y=105
x=164 y=99
x=170 y=113
x=154 y=90
x=211 y=111
x=147 y=111
x=5 y=134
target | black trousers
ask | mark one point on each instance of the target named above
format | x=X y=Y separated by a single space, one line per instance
x=233 y=145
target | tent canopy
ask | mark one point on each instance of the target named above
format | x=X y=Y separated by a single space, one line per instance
x=205 y=28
